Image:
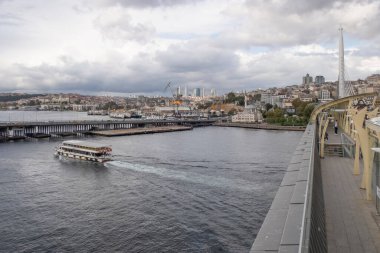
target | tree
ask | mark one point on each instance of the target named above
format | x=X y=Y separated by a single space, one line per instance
x=232 y=111
x=239 y=100
x=308 y=110
x=111 y=106
x=231 y=97
x=257 y=97
x=268 y=106
x=296 y=102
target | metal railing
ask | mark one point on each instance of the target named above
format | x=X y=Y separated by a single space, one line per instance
x=313 y=236
x=348 y=146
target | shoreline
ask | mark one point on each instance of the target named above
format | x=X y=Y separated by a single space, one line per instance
x=261 y=126
x=136 y=131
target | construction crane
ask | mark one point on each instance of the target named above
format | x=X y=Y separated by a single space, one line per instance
x=177 y=99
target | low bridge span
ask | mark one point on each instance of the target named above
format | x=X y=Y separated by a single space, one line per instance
x=20 y=130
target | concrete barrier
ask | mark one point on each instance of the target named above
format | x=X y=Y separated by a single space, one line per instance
x=295 y=220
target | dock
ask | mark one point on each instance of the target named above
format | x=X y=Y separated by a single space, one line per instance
x=136 y=131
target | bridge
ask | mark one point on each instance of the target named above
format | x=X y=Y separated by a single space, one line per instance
x=22 y=130
x=328 y=200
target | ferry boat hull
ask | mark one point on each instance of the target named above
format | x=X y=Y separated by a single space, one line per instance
x=62 y=154
x=85 y=151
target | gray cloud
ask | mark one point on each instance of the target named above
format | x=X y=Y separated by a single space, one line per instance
x=120 y=29
x=147 y=3
x=149 y=73
x=9 y=19
x=84 y=76
x=197 y=56
x=265 y=44
x=303 y=7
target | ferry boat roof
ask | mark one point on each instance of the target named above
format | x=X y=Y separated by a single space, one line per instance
x=85 y=144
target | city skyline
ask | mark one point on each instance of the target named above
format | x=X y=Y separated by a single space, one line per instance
x=111 y=46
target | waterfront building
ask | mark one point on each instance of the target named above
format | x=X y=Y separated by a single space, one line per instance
x=307 y=79
x=85 y=107
x=266 y=98
x=249 y=115
x=374 y=79
x=276 y=100
x=325 y=94
x=367 y=89
x=287 y=103
x=319 y=79
x=167 y=110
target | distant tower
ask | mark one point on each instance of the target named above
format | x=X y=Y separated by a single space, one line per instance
x=307 y=79
x=341 y=87
x=213 y=92
x=203 y=92
x=185 y=91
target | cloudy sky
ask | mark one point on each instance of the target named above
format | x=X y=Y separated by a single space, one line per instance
x=137 y=46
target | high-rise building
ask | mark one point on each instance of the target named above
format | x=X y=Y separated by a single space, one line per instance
x=178 y=90
x=307 y=79
x=185 y=93
x=203 y=92
x=319 y=79
x=197 y=92
x=213 y=92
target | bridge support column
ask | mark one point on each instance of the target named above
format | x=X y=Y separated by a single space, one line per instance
x=365 y=144
x=322 y=140
x=356 y=161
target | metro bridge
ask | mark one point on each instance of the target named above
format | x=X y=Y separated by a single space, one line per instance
x=329 y=198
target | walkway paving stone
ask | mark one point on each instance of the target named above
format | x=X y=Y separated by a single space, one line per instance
x=351 y=221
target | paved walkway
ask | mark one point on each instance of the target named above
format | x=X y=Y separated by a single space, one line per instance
x=332 y=137
x=351 y=221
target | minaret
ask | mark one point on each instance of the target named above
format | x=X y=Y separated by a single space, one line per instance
x=341 y=88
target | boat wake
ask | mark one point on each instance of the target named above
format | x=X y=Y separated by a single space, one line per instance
x=213 y=181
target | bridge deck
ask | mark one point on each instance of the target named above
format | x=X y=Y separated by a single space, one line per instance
x=351 y=221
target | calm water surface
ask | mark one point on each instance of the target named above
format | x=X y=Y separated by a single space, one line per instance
x=205 y=190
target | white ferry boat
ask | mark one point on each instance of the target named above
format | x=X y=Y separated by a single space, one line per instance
x=84 y=150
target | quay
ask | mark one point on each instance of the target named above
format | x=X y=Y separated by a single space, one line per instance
x=260 y=126
x=22 y=130
x=329 y=198
x=135 y=131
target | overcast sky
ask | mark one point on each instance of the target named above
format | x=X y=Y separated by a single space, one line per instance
x=137 y=46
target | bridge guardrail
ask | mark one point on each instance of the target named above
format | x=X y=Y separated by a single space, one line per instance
x=295 y=220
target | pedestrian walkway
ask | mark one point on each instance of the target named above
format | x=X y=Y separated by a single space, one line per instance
x=333 y=138
x=351 y=221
